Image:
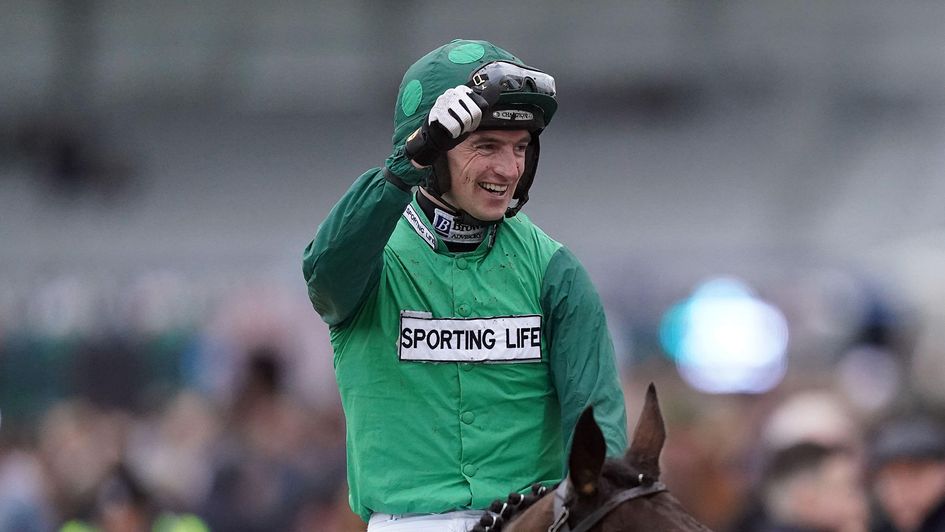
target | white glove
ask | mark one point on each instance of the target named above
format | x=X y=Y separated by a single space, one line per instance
x=455 y=114
x=456 y=111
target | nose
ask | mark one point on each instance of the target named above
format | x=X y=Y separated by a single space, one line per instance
x=506 y=163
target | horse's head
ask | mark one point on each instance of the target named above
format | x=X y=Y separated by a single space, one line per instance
x=621 y=494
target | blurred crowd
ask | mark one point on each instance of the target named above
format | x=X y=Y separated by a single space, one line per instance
x=264 y=461
x=798 y=460
x=162 y=421
x=837 y=475
x=235 y=425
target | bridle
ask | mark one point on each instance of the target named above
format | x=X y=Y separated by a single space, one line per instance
x=564 y=497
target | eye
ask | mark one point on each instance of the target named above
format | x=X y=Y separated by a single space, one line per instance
x=520 y=149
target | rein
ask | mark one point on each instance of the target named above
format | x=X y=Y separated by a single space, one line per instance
x=564 y=497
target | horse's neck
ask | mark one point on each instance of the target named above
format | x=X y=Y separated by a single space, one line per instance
x=537 y=517
x=667 y=510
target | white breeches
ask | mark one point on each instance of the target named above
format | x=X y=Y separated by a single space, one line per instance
x=460 y=521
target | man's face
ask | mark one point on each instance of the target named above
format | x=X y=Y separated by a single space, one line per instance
x=485 y=169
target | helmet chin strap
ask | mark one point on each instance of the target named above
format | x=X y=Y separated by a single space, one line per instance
x=512 y=211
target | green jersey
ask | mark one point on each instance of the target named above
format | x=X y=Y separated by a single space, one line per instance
x=461 y=375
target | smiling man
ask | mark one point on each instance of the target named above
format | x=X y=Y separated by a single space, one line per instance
x=488 y=166
x=467 y=342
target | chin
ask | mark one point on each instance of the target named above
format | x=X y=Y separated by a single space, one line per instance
x=489 y=216
x=490 y=210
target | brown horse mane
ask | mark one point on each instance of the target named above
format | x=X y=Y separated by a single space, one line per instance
x=502 y=512
x=615 y=472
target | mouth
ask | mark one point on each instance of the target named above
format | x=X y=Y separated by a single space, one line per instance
x=494 y=189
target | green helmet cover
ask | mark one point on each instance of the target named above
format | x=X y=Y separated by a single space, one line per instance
x=444 y=68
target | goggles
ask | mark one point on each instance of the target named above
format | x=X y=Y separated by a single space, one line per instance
x=510 y=77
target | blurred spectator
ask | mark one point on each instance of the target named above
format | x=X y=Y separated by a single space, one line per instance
x=174 y=454
x=810 y=416
x=810 y=487
x=79 y=446
x=23 y=502
x=907 y=463
x=808 y=439
x=271 y=467
x=123 y=505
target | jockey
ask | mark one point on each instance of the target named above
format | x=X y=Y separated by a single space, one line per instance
x=467 y=341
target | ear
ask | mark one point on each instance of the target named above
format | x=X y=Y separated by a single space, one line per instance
x=648 y=437
x=588 y=451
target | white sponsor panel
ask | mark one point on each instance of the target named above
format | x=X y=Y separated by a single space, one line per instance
x=499 y=339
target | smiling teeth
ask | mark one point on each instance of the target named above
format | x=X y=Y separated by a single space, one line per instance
x=494 y=188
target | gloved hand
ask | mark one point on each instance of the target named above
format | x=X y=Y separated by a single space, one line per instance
x=455 y=114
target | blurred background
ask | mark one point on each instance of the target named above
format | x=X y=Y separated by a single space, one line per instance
x=756 y=189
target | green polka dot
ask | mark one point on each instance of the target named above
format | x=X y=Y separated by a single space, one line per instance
x=410 y=100
x=467 y=53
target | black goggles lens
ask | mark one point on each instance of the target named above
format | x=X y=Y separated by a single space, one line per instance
x=512 y=78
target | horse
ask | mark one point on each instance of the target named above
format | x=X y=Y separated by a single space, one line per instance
x=607 y=495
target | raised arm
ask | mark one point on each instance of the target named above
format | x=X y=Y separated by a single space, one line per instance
x=343 y=263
